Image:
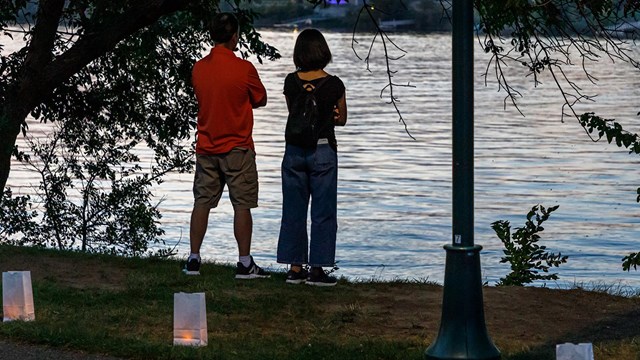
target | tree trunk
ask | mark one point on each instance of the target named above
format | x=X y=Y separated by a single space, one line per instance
x=26 y=93
x=9 y=130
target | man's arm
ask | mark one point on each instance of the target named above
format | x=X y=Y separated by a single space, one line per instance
x=257 y=91
x=261 y=103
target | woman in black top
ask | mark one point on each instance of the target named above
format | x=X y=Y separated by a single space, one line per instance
x=310 y=164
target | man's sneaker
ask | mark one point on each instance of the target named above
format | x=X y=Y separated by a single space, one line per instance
x=321 y=279
x=253 y=271
x=192 y=267
x=297 y=277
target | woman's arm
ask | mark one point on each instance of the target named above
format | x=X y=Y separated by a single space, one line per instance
x=340 y=112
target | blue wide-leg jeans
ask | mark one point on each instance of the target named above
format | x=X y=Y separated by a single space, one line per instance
x=309 y=174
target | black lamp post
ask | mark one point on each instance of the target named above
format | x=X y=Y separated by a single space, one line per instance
x=463 y=333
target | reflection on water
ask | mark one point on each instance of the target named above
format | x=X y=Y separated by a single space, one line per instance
x=395 y=193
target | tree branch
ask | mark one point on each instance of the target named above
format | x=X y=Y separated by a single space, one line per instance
x=39 y=52
x=393 y=100
x=94 y=44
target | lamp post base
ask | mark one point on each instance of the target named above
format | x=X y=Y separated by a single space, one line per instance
x=463 y=333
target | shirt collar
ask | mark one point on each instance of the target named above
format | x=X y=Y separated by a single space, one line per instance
x=222 y=50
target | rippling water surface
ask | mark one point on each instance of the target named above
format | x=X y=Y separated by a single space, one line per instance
x=394 y=194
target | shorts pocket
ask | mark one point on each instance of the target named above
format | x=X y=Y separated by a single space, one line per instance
x=250 y=177
x=235 y=159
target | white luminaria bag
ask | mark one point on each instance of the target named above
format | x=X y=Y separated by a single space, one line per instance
x=17 y=296
x=568 y=351
x=189 y=319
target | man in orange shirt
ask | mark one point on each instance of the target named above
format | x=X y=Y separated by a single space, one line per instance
x=227 y=89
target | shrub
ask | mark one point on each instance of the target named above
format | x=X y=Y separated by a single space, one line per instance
x=528 y=259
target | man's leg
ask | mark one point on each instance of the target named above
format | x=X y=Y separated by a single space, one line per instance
x=208 y=183
x=207 y=190
x=242 y=229
x=198 y=227
x=199 y=222
x=241 y=176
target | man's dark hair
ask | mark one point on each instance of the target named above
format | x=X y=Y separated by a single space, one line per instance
x=311 y=51
x=223 y=26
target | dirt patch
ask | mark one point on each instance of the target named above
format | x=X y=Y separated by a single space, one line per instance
x=522 y=317
x=538 y=316
x=81 y=273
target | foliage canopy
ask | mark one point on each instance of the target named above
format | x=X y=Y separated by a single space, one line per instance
x=114 y=78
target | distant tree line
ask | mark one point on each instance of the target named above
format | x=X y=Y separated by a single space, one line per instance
x=425 y=15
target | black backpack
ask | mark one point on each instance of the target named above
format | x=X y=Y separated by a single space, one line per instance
x=302 y=124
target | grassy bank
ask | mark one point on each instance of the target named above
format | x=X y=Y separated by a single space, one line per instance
x=124 y=307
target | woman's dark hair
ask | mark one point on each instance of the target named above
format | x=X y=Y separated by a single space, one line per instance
x=222 y=27
x=311 y=51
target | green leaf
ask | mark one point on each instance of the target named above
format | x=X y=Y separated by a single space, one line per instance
x=525 y=256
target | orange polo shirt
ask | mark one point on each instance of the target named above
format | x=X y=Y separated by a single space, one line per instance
x=227 y=89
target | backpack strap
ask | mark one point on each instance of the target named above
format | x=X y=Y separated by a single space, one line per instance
x=324 y=80
x=315 y=87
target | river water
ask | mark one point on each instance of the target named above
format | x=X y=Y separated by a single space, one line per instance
x=394 y=193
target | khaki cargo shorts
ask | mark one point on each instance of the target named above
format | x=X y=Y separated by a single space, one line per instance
x=236 y=169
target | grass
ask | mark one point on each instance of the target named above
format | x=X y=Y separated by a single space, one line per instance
x=124 y=307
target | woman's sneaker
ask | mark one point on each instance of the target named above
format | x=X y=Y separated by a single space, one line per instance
x=321 y=278
x=252 y=271
x=299 y=277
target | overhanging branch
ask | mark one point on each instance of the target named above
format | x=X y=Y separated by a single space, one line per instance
x=386 y=43
x=94 y=44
